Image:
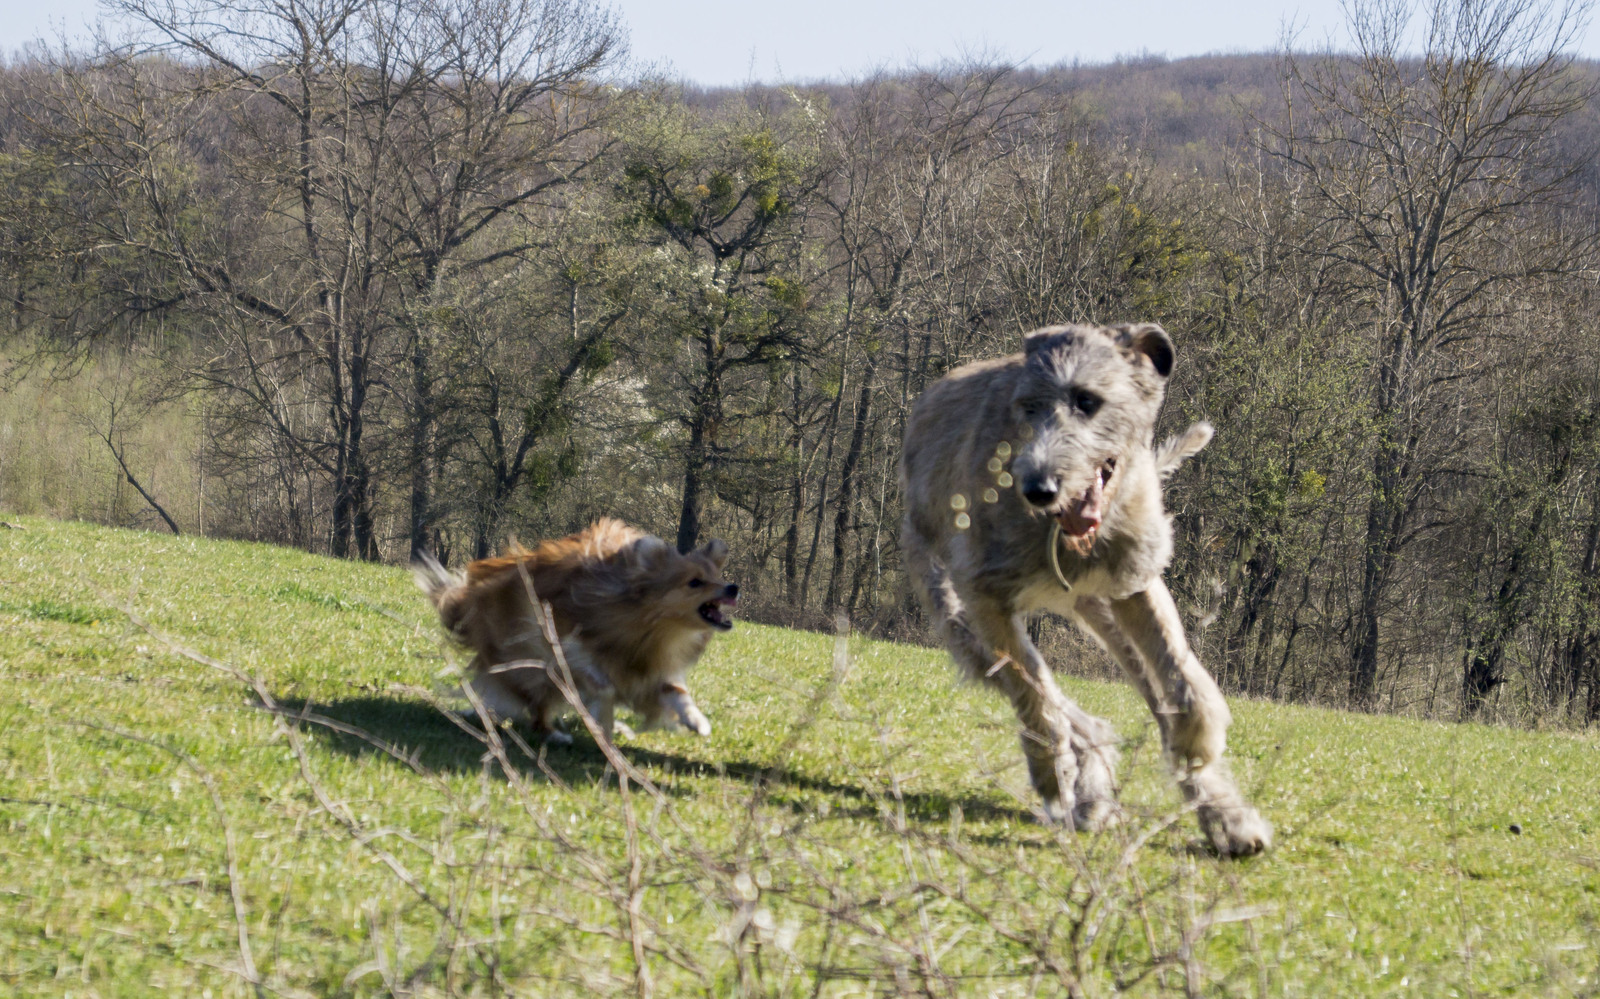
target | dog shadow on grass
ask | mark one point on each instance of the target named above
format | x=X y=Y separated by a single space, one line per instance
x=430 y=740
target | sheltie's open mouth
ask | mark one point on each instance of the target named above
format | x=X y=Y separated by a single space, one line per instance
x=711 y=613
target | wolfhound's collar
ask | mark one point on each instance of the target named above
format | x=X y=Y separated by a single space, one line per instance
x=1055 y=554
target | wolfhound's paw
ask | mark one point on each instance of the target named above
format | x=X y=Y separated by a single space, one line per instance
x=688 y=715
x=1056 y=812
x=1096 y=788
x=556 y=737
x=621 y=730
x=1093 y=816
x=1237 y=831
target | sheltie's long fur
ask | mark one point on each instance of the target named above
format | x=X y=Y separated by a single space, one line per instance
x=631 y=612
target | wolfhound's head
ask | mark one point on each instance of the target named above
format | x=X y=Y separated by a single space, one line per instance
x=1087 y=396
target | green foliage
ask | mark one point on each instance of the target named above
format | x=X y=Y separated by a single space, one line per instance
x=721 y=183
x=1310 y=484
x=548 y=469
x=1154 y=257
x=599 y=357
x=787 y=292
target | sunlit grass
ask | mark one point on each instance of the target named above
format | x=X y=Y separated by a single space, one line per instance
x=1396 y=872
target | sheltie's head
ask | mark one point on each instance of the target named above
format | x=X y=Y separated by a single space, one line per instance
x=682 y=588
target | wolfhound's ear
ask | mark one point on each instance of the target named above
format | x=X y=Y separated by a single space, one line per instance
x=1174 y=451
x=717 y=551
x=1150 y=340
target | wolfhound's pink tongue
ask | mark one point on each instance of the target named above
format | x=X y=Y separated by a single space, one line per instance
x=1082 y=515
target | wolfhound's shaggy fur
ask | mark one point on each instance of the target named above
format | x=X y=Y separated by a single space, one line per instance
x=997 y=455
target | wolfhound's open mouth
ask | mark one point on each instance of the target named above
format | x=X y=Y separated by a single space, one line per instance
x=1081 y=517
x=711 y=613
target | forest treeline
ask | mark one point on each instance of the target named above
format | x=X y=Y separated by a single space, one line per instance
x=374 y=277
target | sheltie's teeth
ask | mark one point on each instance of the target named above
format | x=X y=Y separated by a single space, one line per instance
x=711 y=613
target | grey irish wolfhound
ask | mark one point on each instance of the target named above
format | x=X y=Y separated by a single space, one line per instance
x=1030 y=484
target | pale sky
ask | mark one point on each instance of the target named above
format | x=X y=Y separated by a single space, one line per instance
x=735 y=41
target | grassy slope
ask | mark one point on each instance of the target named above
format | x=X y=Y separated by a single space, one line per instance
x=1395 y=873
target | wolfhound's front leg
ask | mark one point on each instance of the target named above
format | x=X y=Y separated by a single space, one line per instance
x=1192 y=715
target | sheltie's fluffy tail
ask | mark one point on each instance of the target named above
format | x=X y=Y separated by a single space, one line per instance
x=1174 y=451
x=442 y=587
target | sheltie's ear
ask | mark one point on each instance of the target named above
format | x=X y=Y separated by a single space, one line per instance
x=717 y=551
x=631 y=572
x=648 y=553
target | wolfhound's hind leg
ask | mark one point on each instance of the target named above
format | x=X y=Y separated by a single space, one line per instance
x=1052 y=767
x=1071 y=754
x=1091 y=740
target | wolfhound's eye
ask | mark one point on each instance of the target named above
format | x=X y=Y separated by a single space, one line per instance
x=695 y=584
x=1086 y=402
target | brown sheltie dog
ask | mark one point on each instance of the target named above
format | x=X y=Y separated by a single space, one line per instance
x=631 y=612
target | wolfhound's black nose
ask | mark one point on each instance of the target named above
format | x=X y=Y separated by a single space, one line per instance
x=732 y=590
x=1040 y=492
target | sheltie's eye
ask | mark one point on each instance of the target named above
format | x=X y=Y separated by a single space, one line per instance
x=695 y=584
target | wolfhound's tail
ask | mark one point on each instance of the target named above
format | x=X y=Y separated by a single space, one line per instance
x=442 y=587
x=1174 y=451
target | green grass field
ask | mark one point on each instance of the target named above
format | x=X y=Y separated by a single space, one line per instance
x=858 y=823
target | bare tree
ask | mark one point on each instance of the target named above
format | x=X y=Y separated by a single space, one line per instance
x=1426 y=177
x=903 y=151
x=360 y=153
x=519 y=350
x=122 y=407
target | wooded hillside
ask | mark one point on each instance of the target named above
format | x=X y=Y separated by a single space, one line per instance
x=371 y=277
